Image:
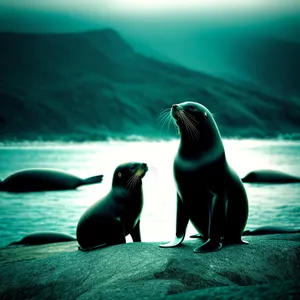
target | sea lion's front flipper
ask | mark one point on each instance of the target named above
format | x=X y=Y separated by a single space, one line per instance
x=217 y=215
x=117 y=233
x=182 y=220
x=136 y=233
x=92 y=248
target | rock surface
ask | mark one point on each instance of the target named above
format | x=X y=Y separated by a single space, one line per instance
x=267 y=268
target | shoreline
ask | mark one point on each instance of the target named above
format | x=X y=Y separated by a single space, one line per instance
x=140 y=139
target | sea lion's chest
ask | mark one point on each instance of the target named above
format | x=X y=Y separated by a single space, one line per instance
x=197 y=179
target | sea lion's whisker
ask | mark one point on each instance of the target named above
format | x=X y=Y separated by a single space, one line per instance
x=129 y=181
x=190 y=127
x=184 y=121
x=165 y=110
x=190 y=115
x=162 y=115
x=193 y=128
x=169 y=122
x=167 y=117
x=132 y=181
x=162 y=119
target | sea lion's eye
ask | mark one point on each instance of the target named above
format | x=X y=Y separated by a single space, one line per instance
x=132 y=168
x=205 y=115
x=119 y=174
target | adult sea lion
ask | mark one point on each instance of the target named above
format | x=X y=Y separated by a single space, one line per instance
x=110 y=219
x=39 y=238
x=209 y=193
x=269 y=176
x=37 y=180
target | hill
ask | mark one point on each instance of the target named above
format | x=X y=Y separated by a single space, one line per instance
x=93 y=85
x=272 y=62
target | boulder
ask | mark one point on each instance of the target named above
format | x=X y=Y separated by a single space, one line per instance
x=269 y=265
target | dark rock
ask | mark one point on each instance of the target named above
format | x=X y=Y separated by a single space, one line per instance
x=264 y=268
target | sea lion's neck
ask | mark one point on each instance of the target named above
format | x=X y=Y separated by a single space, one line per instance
x=193 y=155
x=133 y=190
x=191 y=148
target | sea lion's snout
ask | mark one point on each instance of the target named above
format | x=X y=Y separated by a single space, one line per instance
x=142 y=170
x=175 y=110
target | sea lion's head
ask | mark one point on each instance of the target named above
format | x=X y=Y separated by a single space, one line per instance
x=195 y=122
x=129 y=175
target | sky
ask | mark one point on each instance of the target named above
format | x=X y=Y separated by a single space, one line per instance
x=189 y=32
x=153 y=5
x=21 y=14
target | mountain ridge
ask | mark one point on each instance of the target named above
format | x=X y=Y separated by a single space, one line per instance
x=93 y=85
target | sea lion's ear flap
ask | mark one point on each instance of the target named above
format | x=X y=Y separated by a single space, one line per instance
x=119 y=174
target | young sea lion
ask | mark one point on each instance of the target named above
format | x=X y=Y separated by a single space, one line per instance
x=209 y=193
x=110 y=219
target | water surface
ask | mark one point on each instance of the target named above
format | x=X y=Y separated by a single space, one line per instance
x=60 y=210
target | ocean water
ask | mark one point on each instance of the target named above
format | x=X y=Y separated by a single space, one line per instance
x=60 y=211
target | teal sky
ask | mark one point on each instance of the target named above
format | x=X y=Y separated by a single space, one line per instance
x=181 y=30
x=74 y=15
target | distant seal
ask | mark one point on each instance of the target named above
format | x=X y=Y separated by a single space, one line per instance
x=110 y=219
x=37 y=180
x=269 y=176
x=271 y=230
x=39 y=238
x=209 y=193
x=262 y=230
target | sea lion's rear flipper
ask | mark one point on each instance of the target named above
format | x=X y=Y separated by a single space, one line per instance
x=234 y=241
x=209 y=246
x=92 y=180
x=198 y=236
x=182 y=220
x=136 y=233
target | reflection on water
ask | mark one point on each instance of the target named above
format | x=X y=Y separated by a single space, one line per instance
x=60 y=210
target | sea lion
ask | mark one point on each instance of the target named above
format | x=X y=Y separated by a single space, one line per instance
x=37 y=180
x=262 y=230
x=271 y=230
x=39 y=238
x=110 y=219
x=269 y=176
x=209 y=193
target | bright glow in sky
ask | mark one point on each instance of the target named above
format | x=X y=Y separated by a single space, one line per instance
x=148 y=6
